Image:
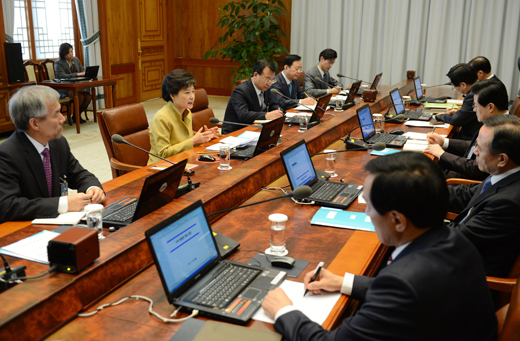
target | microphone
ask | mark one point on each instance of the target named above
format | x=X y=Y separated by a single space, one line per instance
x=183 y=189
x=276 y=92
x=376 y=146
x=318 y=79
x=354 y=144
x=433 y=86
x=298 y=193
x=215 y=120
x=340 y=75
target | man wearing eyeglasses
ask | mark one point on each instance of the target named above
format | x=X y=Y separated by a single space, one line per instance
x=287 y=83
x=251 y=100
x=327 y=84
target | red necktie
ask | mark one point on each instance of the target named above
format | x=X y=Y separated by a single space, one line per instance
x=73 y=68
x=48 y=170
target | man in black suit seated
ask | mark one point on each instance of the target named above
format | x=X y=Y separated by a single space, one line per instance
x=457 y=156
x=36 y=162
x=287 y=83
x=317 y=89
x=433 y=288
x=462 y=77
x=490 y=211
x=251 y=100
x=483 y=67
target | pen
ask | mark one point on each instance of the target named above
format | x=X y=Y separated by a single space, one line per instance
x=309 y=96
x=428 y=139
x=316 y=273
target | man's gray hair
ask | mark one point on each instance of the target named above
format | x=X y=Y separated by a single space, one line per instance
x=30 y=102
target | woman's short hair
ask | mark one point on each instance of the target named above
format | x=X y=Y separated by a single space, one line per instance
x=174 y=82
x=31 y=102
x=64 y=49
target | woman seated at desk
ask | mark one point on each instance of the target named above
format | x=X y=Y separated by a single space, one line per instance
x=68 y=66
x=171 y=130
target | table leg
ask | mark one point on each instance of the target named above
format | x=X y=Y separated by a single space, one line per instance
x=76 y=110
x=94 y=103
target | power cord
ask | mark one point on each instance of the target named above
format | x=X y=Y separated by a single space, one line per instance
x=20 y=279
x=150 y=309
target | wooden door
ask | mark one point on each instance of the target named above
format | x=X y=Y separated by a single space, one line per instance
x=152 y=47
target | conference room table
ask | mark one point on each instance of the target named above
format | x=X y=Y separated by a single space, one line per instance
x=48 y=307
x=76 y=87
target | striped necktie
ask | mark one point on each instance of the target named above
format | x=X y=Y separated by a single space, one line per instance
x=48 y=170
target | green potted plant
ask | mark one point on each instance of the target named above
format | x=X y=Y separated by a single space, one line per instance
x=257 y=34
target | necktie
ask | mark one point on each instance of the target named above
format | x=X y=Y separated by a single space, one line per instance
x=390 y=259
x=261 y=99
x=487 y=183
x=325 y=78
x=48 y=170
x=290 y=89
x=73 y=68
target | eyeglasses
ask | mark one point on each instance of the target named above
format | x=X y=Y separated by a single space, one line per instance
x=268 y=81
x=299 y=69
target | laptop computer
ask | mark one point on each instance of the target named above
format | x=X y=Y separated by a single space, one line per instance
x=374 y=85
x=397 y=101
x=194 y=276
x=91 y=72
x=268 y=138
x=320 y=109
x=420 y=93
x=368 y=130
x=300 y=171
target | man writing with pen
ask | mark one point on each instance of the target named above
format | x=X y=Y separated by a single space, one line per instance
x=432 y=286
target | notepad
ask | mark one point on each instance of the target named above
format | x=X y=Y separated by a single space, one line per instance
x=343 y=219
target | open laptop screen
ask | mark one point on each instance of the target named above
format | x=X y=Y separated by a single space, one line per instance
x=397 y=100
x=418 y=88
x=300 y=169
x=183 y=247
x=377 y=78
x=366 y=122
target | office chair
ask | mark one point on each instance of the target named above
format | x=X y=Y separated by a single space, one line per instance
x=201 y=112
x=47 y=73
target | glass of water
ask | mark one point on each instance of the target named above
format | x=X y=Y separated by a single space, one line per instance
x=278 y=238
x=330 y=162
x=379 y=123
x=339 y=105
x=95 y=218
x=304 y=121
x=224 y=153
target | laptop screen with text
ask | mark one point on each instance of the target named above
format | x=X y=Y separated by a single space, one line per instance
x=299 y=166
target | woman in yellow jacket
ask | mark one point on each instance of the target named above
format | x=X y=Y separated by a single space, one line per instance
x=171 y=130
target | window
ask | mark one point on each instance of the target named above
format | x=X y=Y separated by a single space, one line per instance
x=41 y=26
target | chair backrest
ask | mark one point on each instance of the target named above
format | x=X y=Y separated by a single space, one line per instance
x=515 y=108
x=509 y=317
x=47 y=67
x=129 y=121
x=201 y=112
x=301 y=79
x=32 y=71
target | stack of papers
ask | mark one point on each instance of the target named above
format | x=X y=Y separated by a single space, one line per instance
x=334 y=217
x=33 y=248
x=415 y=145
x=417 y=136
x=64 y=218
x=247 y=137
x=304 y=108
x=426 y=124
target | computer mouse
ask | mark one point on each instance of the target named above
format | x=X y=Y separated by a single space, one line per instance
x=282 y=262
x=397 y=132
x=206 y=158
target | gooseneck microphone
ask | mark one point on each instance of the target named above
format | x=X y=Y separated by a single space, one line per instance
x=318 y=79
x=276 y=92
x=433 y=86
x=183 y=189
x=298 y=193
x=215 y=120
x=352 y=144
x=340 y=75
x=376 y=146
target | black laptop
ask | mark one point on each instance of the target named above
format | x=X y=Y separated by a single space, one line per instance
x=318 y=113
x=91 y=72
x=194 y=276
x=374 y=85
x=268 y=138
x=417 y=115
x=368 y=130
x=300 y=171
x=420 y=93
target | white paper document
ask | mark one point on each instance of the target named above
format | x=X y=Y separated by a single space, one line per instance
x=62 y=219
x=315 y=307
x=415 y=146
x=417 y=136
x=305 y=108
x=245 y=138
x=33 y=248
x=426 y=124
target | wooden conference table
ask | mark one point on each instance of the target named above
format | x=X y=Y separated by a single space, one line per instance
x=47 y=307
x=76 y=87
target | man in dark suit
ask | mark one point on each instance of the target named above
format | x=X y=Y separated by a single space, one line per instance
x=287 y=83
x=434 y=286
x=36 y=162
x=251 y=101
x=462 y=77
x=317 y=89
x=490 y=212
x=483 y=67
x=457 y=156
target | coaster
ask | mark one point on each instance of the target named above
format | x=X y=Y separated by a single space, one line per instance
x=268 y=251
x=226 y=168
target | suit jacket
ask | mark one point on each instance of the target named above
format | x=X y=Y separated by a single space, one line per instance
x=296 y=93
x=23 y=186
x=455 y=160
x=434 y=290
x=318 y=89
x=490 y=221
x=465 y=118
x=244 y=106
x=62 y=69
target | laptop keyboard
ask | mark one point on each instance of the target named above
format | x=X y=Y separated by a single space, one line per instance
x=327 y=191
x=226 y=286
x=126 y=213
x=246 y=152
x=385 y=138
x=413 y=114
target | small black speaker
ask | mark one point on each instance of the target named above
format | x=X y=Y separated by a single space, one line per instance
x=13 y=57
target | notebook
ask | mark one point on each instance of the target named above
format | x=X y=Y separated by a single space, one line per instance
x=420 y=94
x=91 y=72
x=300 y=171
x=375 y=82
x=321 y=107
x=397 y=101
x=191 y=269
x=268 y=138
x=368 y=130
